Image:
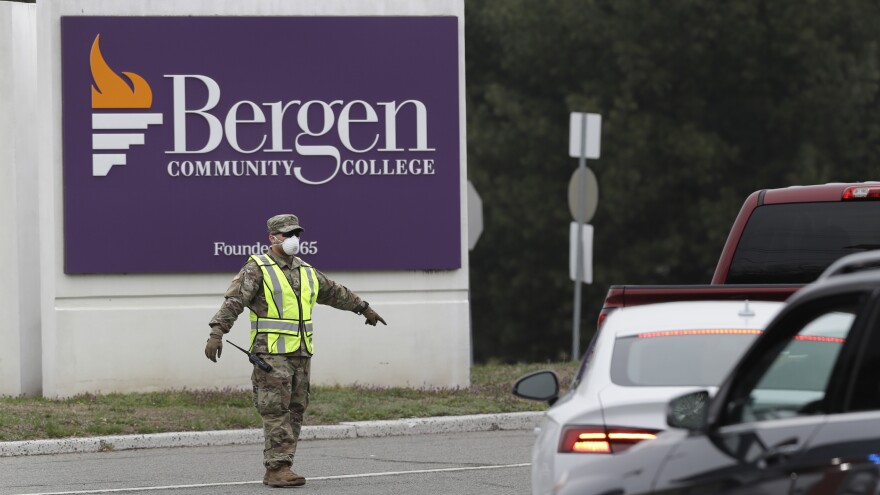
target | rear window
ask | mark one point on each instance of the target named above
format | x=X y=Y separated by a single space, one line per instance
x=665 y=359
x=795 y=243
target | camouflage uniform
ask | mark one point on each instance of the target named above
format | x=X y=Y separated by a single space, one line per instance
x=281 y=395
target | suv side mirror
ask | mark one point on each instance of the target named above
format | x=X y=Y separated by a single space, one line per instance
x=689 y=411
x=540 y=385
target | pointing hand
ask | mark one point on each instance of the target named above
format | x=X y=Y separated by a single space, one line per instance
x=372 y=317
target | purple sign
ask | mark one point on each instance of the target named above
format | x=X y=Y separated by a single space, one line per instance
x=182 y=135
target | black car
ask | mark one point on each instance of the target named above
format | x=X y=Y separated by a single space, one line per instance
x=799 y=414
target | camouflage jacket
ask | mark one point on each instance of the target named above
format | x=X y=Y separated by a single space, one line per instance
x=246 y=291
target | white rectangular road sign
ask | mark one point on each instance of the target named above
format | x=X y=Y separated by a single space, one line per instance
x=577 y=134
x=587 y=236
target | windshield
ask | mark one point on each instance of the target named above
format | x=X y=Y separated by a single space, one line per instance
x=682 y=358
x=794 y=243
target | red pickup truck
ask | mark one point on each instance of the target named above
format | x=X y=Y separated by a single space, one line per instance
x=781 y=239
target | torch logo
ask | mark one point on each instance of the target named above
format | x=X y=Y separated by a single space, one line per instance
x=111 y=91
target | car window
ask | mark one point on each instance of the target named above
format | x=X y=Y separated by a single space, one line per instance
x=678 y=357
x=793 y=243
x=864 y=394
x=792 y=379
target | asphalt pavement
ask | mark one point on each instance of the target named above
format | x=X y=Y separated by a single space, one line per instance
x=469 y=463
x=360 y=429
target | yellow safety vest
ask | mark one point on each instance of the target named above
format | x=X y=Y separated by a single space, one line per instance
x=288 y=317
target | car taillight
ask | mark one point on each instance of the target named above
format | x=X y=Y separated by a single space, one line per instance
x=598 y=440
x=862 y=192
x=701 y=331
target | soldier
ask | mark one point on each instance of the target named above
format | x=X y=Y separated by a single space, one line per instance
x=281 y=333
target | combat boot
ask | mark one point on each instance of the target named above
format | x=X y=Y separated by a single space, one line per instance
x=282 y=476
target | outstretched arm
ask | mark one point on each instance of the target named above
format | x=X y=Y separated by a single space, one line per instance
x=341 y=297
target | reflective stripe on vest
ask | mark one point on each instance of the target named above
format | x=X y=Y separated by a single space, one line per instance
x=283 y=322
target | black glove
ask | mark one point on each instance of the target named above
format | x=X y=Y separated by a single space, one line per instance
x=214 y=348
x=372 y=317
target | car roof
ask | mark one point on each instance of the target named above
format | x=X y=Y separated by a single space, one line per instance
x=867 y=260
x=811 y=193
x=866 y=280
x=691 y=315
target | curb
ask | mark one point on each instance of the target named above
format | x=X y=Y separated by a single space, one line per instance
x=360 y=429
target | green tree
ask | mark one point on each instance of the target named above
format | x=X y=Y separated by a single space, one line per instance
x=703 y=102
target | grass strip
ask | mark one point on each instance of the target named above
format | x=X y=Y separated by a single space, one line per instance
x=86 y=415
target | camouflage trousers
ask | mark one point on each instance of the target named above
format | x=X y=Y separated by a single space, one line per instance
x=281 y=397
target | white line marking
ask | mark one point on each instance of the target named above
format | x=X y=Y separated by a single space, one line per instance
x=317 y=478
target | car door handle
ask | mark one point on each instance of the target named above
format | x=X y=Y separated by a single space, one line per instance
x=778 y=452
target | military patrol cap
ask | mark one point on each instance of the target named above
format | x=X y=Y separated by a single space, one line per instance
x=283 y=223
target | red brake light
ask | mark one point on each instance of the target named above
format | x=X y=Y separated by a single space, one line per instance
x=816 y=338
x=707 y=331
x=733 y=331
x=862 y=192
x=598 y=440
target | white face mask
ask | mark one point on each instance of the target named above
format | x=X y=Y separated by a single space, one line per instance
x=290 y=246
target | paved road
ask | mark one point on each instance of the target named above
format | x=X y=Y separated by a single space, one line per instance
x=478 y=463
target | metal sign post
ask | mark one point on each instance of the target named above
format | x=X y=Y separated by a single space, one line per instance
x=584 y=135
